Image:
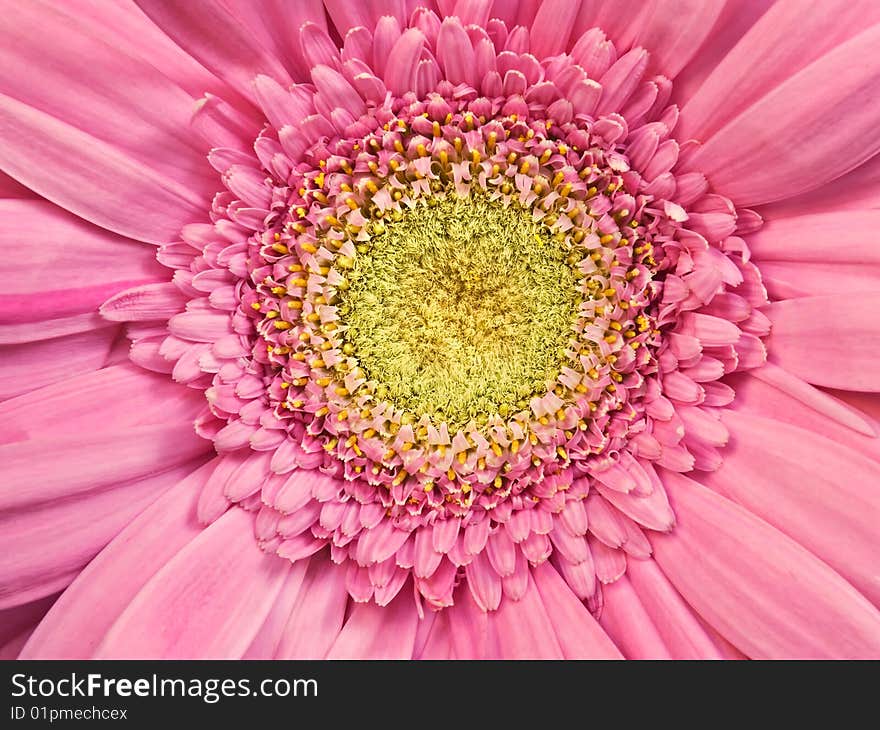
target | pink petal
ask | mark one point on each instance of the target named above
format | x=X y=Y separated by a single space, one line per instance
x=26 y=367
x=820 y=403
x=12 y=189
x=629 y=625
x=579 y=636
x=19 y=623
x=400 y=71
x=274 y=24
x=69 y=69
x=804 y=238
x=551 y=27
x=96 y=180
x=144 y=303
x=622 y=28
x=750 y=161
x=673 y=31
x=265 y=643
x=375 y=632
x=208 y=601
x=44 y=280
x=819 y=493
x=91 y=461
x=855 y=191
x=468 y=627
x=828 y=340
x=761 y=590
x=213 y=35
x=88 y=402
x=82 y=616
x=317 y=617
x=736 y=19
x=767 y=56
x=47 y=546
x=680 y=630
x=524 y=629
x=455 y=53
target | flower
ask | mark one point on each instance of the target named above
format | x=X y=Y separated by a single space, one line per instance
x=469 y=330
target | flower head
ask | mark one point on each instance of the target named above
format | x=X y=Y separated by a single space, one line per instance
x=472 y=335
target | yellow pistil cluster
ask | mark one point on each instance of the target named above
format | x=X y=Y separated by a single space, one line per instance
x=461 y=309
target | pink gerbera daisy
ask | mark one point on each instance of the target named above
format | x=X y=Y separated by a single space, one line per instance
x=416 y=329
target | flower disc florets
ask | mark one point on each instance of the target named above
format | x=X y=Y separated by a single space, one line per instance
x=459 y=312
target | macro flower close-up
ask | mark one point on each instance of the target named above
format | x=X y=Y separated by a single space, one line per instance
x=442 y=329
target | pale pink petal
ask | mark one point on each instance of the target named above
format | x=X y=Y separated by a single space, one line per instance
x=92 y=460
x=376 y=632
x=211 y=33
x=32 y=365
x=208 y=601
x=97 y=180
x=47 y=546
x=767 y=56
x=86 y=610
x=762 y=591
x=828 y=340
x=749 y=159
x=318 y=614
x=820 y=493
x=680 y=630
x=629 y=625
